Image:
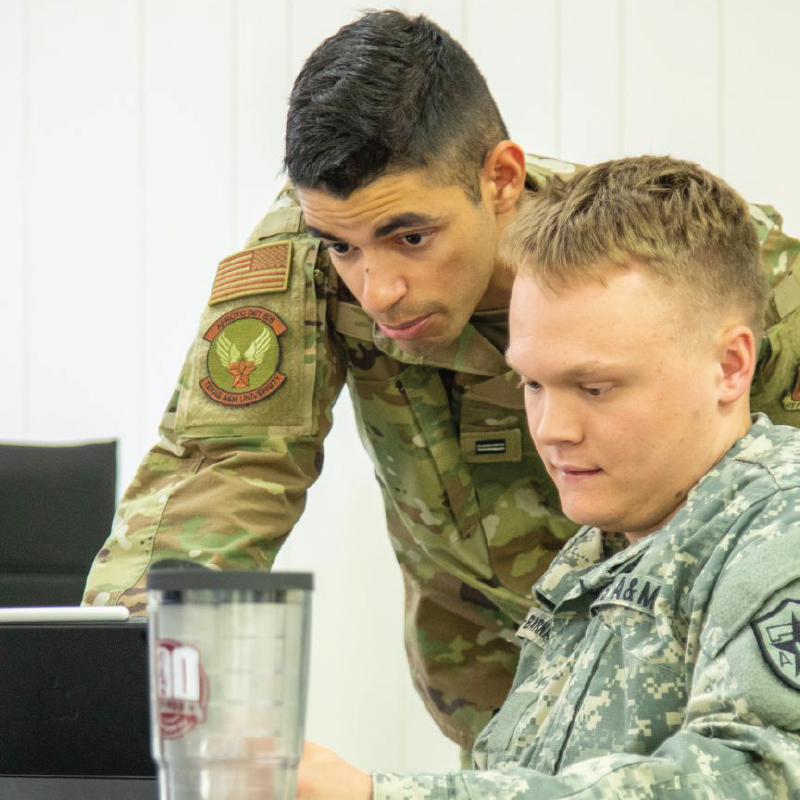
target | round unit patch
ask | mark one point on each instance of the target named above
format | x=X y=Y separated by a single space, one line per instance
x=244 y=356
x=778 y=636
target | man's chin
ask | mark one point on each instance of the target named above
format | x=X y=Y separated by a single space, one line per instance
x=437 y=333
x=423 y=347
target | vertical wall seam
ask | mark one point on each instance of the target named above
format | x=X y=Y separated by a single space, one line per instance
x=290 y=40
x=141 y=226
x=557 y=78
x=26 y=217
x=621 y=66
x=234 y=131
x=721 y=83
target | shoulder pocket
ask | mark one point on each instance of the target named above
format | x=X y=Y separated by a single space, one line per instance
x=746 y=586
x=288 y=219
x=253 y=365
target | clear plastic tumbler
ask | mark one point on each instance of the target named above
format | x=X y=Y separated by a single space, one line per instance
x=228 y=682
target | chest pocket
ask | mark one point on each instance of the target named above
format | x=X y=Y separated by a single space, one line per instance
x=519 y=505
x=405 y=424
x=634 y=695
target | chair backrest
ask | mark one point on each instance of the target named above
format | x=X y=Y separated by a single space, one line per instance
x=56 y=507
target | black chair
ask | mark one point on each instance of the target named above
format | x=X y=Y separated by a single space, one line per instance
x=56 y=507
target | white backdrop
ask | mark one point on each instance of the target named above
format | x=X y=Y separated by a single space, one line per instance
x=140 y=142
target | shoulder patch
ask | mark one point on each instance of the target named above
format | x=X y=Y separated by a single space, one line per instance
x=260 y=270
x=791 y=396
x=778 y=637
x=244 y=356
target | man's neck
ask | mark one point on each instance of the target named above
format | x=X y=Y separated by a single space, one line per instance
x=740 y=422
x=498 y=292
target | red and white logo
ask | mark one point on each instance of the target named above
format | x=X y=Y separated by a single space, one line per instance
x=182 y=688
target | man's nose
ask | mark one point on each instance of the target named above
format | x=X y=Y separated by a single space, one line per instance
x=554 y=421
x=383 y=285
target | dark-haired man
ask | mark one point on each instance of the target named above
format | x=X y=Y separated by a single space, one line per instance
x=377 y=266
x=661 y=656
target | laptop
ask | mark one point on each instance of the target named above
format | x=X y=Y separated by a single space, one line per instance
x=74 y=710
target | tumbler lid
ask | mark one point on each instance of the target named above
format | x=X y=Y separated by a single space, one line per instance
x=173 y=574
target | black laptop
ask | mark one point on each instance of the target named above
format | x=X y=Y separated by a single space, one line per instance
x=74 y=712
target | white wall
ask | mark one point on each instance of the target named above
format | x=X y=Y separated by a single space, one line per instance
x=141 y=140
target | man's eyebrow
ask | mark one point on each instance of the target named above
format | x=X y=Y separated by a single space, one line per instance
x=585 y=370
x=581 y=371
x=321 y=234
x=409 y=220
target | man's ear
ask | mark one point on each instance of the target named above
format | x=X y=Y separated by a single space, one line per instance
x=737 y=360
x=503 y=175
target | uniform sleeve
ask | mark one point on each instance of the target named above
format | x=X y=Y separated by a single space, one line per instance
x=241 y=439
x=776 y=385
x=779 y=251
x=739 y=740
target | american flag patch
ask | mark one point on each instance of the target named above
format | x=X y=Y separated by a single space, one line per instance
x=260 y=270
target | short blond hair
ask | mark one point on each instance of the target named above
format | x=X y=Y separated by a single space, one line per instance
x=685 y=224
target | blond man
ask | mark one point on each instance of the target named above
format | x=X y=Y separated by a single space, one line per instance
x=661 y=657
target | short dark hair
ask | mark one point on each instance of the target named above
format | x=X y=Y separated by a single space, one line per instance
x=388 y=93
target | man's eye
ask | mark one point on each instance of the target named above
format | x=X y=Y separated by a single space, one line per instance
x=532 y=386
x=415 y=239
x=596 y=391
x=340 y=248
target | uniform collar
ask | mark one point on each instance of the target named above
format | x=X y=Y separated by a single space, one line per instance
x=623 y=561
x=471 y=353
x=584 y=564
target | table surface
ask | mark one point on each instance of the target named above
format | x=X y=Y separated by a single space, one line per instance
x=37 y=788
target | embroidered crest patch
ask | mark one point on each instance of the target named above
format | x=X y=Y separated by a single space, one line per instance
x=790 y=399
x=244 y=356
x=778 y=636
x=259 y=270
x=794 y=393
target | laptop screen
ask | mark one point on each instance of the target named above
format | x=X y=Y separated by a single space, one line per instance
x=74 y=700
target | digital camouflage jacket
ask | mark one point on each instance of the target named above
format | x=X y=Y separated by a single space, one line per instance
x=667 y=669
x=471 y=513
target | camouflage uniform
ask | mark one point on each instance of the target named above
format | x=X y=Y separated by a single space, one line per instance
x=471 y=513
x=670 y=668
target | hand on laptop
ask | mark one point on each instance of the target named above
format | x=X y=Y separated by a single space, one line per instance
x=322 y=775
